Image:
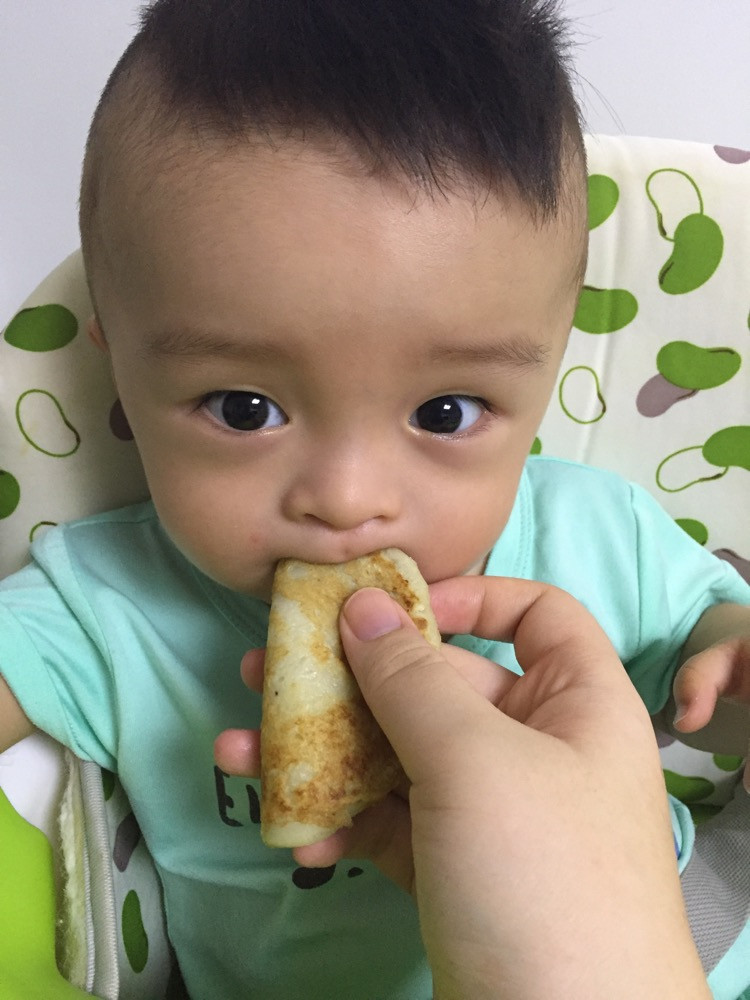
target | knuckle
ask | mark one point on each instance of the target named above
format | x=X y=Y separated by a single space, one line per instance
x=411 y=655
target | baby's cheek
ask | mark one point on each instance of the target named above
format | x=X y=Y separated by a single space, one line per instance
x=460 y=550
x=255 y=540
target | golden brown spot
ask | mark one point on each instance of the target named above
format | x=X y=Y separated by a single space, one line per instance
x=366 y=767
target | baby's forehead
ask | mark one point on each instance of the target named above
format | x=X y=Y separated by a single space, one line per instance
x=303 y=209
x=290 y=256
x=189 y=168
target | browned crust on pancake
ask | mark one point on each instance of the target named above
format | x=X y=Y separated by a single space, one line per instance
x=366 y=767
x=320 y=768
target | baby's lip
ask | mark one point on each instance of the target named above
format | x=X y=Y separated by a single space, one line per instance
x=333 y=556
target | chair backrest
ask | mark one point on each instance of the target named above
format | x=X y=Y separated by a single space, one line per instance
x=655 y=383
x=64 y=452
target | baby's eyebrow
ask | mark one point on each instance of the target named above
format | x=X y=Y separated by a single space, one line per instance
x=191 y=345
x=519 y=353
x=516 y=352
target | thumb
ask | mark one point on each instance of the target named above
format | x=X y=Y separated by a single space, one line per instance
x=416 y=695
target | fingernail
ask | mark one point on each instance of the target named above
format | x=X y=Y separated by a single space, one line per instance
x=371 y=613
x=679 y=715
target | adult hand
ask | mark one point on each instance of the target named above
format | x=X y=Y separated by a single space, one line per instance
x=543 y=862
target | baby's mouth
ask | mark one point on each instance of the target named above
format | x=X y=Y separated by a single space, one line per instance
x=333 y=555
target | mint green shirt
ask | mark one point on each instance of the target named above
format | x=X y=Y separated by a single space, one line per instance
x=116 y=646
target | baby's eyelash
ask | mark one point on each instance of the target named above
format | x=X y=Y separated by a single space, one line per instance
x=243 y=411
x=449 y=415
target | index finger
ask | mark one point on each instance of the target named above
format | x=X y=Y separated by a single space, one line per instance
x=537 y=618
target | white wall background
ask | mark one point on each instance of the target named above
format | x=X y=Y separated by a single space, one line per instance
x=678 y=68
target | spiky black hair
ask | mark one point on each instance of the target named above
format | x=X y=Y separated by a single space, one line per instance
x=437 y=90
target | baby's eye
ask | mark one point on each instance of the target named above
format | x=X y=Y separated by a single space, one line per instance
x=447 y=414
x=244 y=411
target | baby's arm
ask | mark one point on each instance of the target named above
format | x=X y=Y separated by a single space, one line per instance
x=712 y=686
x=14 y=725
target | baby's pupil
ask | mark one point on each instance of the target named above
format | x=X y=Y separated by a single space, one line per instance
x=245 y=411
x=441 y=415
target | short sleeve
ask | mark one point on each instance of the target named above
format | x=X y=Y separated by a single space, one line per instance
x=54 y=659
x=677 y=581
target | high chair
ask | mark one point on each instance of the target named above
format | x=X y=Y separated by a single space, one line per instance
x=655 y=385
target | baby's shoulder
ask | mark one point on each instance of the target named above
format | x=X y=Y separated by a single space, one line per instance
x=562 y=482
x=602 y=508
x=128 y=539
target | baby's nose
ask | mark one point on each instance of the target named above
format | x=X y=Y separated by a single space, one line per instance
x=345 y=492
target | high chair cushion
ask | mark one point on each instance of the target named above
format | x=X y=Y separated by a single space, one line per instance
x=655 y=385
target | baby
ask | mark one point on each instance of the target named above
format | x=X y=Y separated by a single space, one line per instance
x=334 y=251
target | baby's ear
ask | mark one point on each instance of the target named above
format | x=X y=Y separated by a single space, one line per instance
x=96 y=334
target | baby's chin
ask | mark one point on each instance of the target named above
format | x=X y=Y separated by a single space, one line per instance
x=260 y=589
x=477 y=568
x=223 y=567
x=438 y=573
x=257 y=585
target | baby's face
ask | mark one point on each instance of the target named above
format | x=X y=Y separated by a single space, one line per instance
x=316 y=363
